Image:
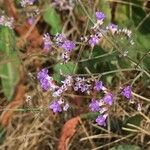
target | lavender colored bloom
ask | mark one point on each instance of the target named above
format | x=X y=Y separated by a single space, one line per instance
x=65 y=57
x=31 y=20
x=68 y=45
x=55 y=106
x=59 y=39
x=42 y=74
x=98 y=86
x=101 y=120
x=108 y=98
x=45 y=80
x=81 y=85
x=127 y=92
x=94 y=105
x=45 y=84
x=100 y=15
x=112 y=27
x=93 y=40
x=68 y=81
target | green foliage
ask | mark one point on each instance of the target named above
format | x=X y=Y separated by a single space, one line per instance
x=90 y=115
x=125 y=147
x=52 y=18
x=2 y=134
x=135 y=120
x=9 y=71
x=133 y=15
x=104 y=6
x=65 y=69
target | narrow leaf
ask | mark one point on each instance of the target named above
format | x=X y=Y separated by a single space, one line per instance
x=9 y=72
x=51 y=17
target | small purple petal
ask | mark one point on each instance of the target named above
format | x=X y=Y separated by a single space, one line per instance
x=94 y=105
x=112 y=27
x=93 y=40
x=98 y=86
x=31 y=20
x=55 y=106
x=108 y=98
x=101 y=120
x=68 y=45
x=100 y=15
x=127 y=92
x=42 y=74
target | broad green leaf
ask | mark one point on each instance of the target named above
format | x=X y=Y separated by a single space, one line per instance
x=126 y=147
x=143 y=41
x=9 y=71
x=65 y=69
x=51 y=17
x=135 y=120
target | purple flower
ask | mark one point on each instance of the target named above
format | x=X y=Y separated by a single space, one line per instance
x=126 y=92
x=45 y=80
x=65 y=56
x=45 y=84
x=68 y=45
x=112 y=27
x=93 y=40
x=81 y=85
x=31 y=20
x=98 y=86
x=101 y=120
x=42 y=74
x=94 y=105
x=100 y=15
x=108 y=98
x=59 y=39
x=55 y=106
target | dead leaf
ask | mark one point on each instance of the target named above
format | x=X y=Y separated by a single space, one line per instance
x=16 y=102
x=67 y=133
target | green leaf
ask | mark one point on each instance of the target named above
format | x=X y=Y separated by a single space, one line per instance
x=51 y=17
x=90 y=115
x=65 y=69
x=9 y=71
x=135 y=120
x=143 y=41
x=125 y=147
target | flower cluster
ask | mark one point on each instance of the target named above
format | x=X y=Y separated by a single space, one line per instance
x=25 y=3
x=98 y=33
x=101 y=105
x=6 y=21
x=103 y=99
x=126 y=92
x=60 y=41
x=82 y=85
